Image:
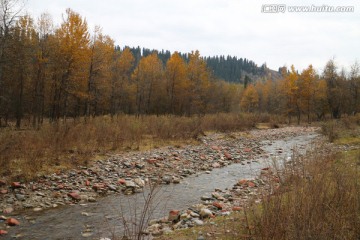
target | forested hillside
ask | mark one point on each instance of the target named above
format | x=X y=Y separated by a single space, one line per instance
x=229 y=68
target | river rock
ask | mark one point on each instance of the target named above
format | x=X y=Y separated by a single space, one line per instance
x=3 y=191
x=206 y=198
x=216 y=165
x=176 y=180
x=174 y=215
x=112 y=187
x=12 y=222
x=20 y=197
x=205 y=213
x=198 y=222
x=139 y=182
x=227 y=155
x=16 y=185
x=217 y=196
x=218 y=205
x=166 y=179
x=8 y=210
x=74 y=195
x=130 y=184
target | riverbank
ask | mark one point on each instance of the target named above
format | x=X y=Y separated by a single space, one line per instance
x=318 y=198
x=128 y=173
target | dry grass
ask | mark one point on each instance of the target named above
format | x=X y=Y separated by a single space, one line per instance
x=319 y=201
x=26 y=153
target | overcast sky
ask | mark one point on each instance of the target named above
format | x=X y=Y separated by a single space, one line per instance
x=223 y=27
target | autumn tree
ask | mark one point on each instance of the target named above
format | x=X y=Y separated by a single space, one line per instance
x=334 y=88
x=198 y=76
x=177 y=83
x=19 y=73
x=250 y=99
x=122 y=89
x=70 y=69
x=290 y=90
x=147 y=77
x=9 y=12
x=307 y=88
x=44 y=29
x=355 y=88
x=99 y=84
x=320 y=104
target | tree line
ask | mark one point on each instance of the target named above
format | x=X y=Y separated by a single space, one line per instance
x=54 y=73
x=70 y=71
x=307 y=94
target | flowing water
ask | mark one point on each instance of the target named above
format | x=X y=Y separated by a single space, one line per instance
x=104 y=217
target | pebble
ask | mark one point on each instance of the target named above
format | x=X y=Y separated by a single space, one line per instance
x=198 y=222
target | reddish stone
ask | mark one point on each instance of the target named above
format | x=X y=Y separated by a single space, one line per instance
x=2 y=183
x=236 y=208
x=251 y=184
x=151 y=161
x=173 y=215
x=247 y=150
x=97 y=187
x=56 y=195
x=60 y=186
x=265 y=169
x=216 y=148
x=216 y=165
x=242 y=182
x=34 y=188
x=202 y=157
x=3 y=232
x=87 y=183
x=121 y=181
x=218 y=205
x=16 y=185
x=227 y=155
x=74 y=195
x=12 y=222
x=3 y=191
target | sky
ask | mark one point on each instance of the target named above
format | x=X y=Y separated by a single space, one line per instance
x=223 y=27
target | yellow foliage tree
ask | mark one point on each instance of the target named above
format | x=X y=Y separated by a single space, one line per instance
x=198 y=76
x=122 y=90
x=72 y=58
x=177 y=83
x=250 y=99
x=147 y=77
x=291 y=94
x=307 y=85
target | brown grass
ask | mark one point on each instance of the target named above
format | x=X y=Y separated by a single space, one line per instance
x=319 y=201
x=27 y=153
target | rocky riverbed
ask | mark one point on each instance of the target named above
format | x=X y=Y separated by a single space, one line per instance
x=128 y=173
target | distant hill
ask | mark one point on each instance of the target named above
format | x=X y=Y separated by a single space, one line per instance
x=229 y=68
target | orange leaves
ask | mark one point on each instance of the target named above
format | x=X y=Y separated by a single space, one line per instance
x=250 y=99
x=177 y=82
